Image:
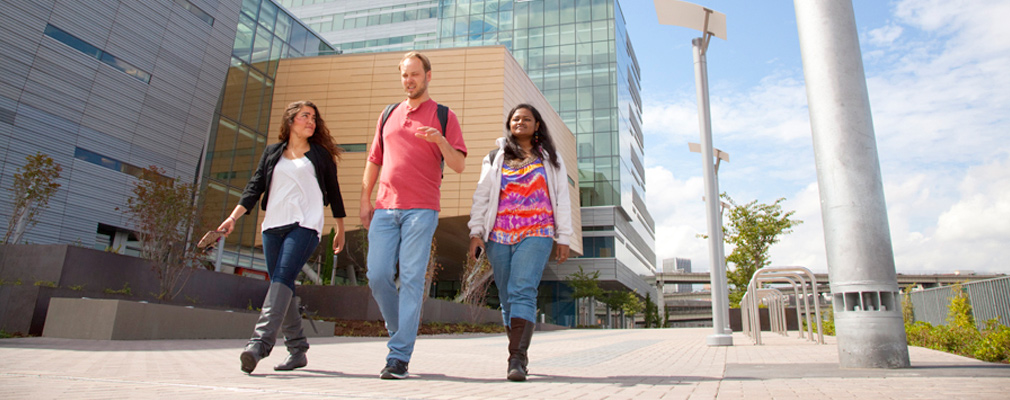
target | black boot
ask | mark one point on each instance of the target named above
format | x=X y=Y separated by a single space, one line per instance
x=264 y=336
x=294 y=339
x=520 y=335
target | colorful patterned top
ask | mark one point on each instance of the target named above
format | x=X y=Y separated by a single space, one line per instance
x=524 y=205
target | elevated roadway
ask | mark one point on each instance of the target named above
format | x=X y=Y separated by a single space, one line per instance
x=925 y=280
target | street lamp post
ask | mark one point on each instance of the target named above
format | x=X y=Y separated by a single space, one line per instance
x=710 y=23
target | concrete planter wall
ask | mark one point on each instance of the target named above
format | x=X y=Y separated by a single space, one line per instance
x=92 y=272
x=105 y=319
x=79 y=272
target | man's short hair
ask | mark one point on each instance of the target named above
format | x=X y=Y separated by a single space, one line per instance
x=419 y=56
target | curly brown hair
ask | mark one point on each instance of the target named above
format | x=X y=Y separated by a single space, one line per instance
x=320 y=136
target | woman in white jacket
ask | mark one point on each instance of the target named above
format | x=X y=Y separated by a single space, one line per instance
x=520 y=208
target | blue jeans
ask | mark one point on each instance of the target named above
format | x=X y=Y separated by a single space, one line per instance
x=517 y=272
x=404 y=236
x=286 y=249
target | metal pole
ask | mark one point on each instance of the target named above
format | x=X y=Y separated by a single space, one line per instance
x=720 y=297
x=220 y=254
x=856 y=233
x=333 y=272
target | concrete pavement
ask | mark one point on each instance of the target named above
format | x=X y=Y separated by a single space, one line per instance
x=572 y=364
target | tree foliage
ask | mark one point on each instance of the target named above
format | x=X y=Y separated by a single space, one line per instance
x=652 y=318
x=585 y=285
x=34 y=184
x=165 y=218
x=752 y=229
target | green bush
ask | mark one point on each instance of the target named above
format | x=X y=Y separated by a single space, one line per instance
x=960 y=336
x=995 y=343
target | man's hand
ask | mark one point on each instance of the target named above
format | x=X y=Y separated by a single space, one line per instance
x=366 y=213
x=428 y=133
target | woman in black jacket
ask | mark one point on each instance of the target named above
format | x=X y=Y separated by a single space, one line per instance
x=297 y=178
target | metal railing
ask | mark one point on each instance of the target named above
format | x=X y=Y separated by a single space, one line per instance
x=989 y=299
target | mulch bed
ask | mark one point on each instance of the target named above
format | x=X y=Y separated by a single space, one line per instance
x=346 y=327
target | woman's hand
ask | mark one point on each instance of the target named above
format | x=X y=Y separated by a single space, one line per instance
x=229 y=223
x=338 y=242
x=338 y=239
x=562 y=254
x=476 y=243
x=227 y=226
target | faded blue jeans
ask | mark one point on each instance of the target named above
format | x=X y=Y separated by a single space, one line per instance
x=517 y=272
x=404 y=236
x=286 y=250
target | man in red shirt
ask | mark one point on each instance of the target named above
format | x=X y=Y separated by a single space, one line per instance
x=406 y=158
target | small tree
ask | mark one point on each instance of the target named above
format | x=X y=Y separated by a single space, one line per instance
x=165 y=217
x=475 y=282
x=585 y=285
x=632 y=305
x=434 y=267
x=34 y=185
x=651 y=313
x=357 y=246
x=752 y=229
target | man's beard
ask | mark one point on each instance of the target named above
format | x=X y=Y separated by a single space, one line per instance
x=419 y=92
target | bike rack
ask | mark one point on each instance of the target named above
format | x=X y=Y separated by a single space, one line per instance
x=756 y=293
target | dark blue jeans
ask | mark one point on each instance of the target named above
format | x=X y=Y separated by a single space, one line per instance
x=286 y=249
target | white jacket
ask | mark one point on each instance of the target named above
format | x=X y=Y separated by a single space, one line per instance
x=485 y=198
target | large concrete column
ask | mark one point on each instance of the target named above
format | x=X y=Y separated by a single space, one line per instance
x=868 y=321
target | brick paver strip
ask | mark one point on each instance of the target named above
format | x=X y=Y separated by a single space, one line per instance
x=572 y=364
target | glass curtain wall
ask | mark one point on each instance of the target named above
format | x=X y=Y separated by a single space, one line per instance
x=579 y=55
x=399 y=25
x=265 y=34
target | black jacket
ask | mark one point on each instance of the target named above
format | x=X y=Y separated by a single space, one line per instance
x=326 y=175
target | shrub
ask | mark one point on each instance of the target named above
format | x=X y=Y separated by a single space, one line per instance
x=960 y=336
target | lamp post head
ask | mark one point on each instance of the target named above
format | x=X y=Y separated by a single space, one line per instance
x=689 y=15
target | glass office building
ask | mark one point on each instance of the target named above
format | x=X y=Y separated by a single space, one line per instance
x=579 y=55
x=266 y=33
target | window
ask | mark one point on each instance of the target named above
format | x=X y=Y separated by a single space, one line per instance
x=196 y=11
x=598 y=247
x=116 y=165
x=355 y=147
x=89 y=49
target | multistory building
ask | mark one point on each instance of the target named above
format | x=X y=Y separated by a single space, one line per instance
x=578 y=53
x=240 y=126
x=109 y=88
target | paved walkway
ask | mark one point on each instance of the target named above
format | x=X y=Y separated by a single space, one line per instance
x=573 y=364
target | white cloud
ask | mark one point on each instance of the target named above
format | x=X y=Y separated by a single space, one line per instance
x=884 y=35
x=804 y=247
x=679 y=213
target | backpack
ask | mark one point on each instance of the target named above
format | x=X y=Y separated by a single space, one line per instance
x=443 y=118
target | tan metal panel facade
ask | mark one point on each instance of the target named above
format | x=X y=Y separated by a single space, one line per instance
x=480 y=84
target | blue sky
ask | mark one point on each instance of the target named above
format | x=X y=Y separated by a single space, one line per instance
x=938 y=74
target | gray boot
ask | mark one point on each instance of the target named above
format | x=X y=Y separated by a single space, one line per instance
x=294 y=339
x=275 y=306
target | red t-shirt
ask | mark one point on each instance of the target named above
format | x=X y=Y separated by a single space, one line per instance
x=411 y=167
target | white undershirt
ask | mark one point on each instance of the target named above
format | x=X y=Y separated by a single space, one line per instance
x=294 y=196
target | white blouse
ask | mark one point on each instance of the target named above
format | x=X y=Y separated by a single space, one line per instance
x=294 y=196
